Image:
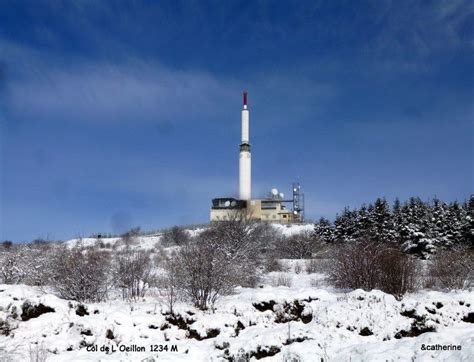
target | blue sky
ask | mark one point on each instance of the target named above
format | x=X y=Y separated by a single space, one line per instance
x=119 y=114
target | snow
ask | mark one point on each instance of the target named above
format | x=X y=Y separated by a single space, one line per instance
x=289 y=230
x=251 y=321
x=301 y=319
x=140 y=242
x=148 y=242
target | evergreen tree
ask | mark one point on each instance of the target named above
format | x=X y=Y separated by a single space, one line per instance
x=420 y=227
x=439 y=223
x=415 y=233
x=455 y=224
x=469 y=224
x=363 y=223
x=345 y=226
x=324 y=230
x=382 y=228
x=397 y=219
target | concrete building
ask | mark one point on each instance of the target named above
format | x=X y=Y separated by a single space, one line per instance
x=272 y=208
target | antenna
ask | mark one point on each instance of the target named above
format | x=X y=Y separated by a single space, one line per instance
x=298 y=202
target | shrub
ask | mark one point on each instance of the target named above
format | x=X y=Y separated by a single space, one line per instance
x=7 y=244
x=281 y=279
x=131 y=236
x=12 y=269
x=370 y=265
x=298 y=268
x=312 y=266
x=399 y=272
x=215 y=262
x=451 y=268
x=80 y=274
x=175 y=236
x=38 y=353
x=132 y=272
x=297 y=246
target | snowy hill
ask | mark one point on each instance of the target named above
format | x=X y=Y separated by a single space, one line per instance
x=148 y=242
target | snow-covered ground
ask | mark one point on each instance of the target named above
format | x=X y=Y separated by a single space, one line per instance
x=151 y=241
x=290 y=316
x=276 y=323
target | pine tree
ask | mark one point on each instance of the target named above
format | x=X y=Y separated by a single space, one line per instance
x=469 y=224
x=382 y=228
x=455 y=224
x=415 y=232
x=345 y=226
x=363 y=223
x=324 y=230
x=439 y=223
x=397 y=219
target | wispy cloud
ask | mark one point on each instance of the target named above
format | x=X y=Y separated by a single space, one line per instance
x=45 y=87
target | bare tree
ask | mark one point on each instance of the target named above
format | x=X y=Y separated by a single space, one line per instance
x=132 y=272
x=175 y=236
x=80 y=274
x=168 y=283
x=371 y=265
x=298 y=246
x=219 y=259
x=13 y=265
x=130 y=237
x=452 y=268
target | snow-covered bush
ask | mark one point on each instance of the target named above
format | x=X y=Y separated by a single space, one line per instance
x=38 y=353
x=81 y=274
x=272 y=263
x=131 y=236
x=216 y=261
x=298 y=268
x=298 y=246
x=175 y=236
x=281 y=279
x=370 y=265
x=451 y=268
x=11 y=266
x=132 y=272
x=20 y=263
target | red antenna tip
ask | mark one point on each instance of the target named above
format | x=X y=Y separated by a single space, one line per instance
x=245 y=98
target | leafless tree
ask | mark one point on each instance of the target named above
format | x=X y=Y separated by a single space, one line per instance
x=13 y=264
x=298 y=246
x=371 y=265
x=452 y=268
x=219 y=259
x=130 y=237
x=132 y=272
x=81 y=274
x=168 y=284
x=175 y=236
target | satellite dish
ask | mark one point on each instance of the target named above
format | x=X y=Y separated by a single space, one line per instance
x=227 y=203
x=274 y=192
x=233 y=203
x=282 y=195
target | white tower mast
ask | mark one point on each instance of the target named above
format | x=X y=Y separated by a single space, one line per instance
x=245 y=167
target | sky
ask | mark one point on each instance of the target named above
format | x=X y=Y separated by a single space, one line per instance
x=116 y=114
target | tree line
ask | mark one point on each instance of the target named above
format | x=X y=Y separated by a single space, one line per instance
x=373 y=247
x=420 y=227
